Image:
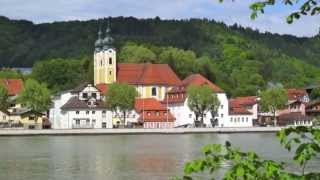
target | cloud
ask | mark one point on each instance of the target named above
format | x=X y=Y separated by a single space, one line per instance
x=40 y=11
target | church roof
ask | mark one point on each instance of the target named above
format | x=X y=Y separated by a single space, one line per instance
x=147 y=74
x=198 y=79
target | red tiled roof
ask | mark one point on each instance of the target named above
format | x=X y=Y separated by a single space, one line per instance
x=296 y=94
x=236 y=105
x=243 y=101
x=14 y=86
x=103 y=87
x=148 y=104
x=151 y=110
x=198 y=79
x=147 y=74
x=238 y=111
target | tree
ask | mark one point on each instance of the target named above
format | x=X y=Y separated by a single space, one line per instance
x=133 y=53
x=61 y=74
x=35 y=96
x=272 y=100
x=307 y=8
x=315 y=93
x=248 y=165
x=201 y=100
x=121 y=97
x=3 y=98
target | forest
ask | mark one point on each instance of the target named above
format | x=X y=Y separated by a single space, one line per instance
x=241 y=60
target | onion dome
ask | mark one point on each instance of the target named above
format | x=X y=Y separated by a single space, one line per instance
x=99 y=42
x=108 y=40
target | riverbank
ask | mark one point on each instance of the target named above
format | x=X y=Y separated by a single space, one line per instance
x=27 y=132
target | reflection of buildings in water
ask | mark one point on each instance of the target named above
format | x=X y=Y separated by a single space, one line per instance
x=156 y=163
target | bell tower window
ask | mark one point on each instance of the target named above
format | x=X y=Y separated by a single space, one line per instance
x=154 y=91
x=110 y=61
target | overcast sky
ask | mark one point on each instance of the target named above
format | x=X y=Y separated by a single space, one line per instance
x=40 y=11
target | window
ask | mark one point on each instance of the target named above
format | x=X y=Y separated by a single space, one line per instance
x=93 y=121
x=165 y=114
x=221 y=115
x=101 y=63
x=221 y=106
x=242 y=119
x=190 y=115
x=246 y=119
x=158 y=113
x=87 y=122
x=110 y=72
x=78 y=122
x=94 y=95
x=77 y=112
x=134 y=116
x=149 y=114
x=104 y=125
x=93 y=112
x=85 y=95
x=231 y=119
x=103 y=112
x=31 y=118
x=205 y=115
x=154 y=91
x=87 y=112
x=110 y=60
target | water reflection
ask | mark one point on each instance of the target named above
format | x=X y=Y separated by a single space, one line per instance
x=118 y=157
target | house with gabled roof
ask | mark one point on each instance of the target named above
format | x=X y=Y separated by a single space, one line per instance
x=80 y=108
x=177 y=101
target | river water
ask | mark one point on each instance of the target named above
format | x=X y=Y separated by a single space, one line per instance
x=119 y=156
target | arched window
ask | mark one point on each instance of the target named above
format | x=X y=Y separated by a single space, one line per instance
x=154 y=91
x=110 y=61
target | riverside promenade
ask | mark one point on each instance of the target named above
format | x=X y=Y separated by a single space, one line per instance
x=27 y=132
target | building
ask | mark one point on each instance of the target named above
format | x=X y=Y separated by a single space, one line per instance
x=17 y=115
x=239 y=116
x=152 y=114
x=250 y=103
x=14 y=88
x=82 y=107
x=313 y=108
x=150 y=80
x=177 y=101
x=294 y=112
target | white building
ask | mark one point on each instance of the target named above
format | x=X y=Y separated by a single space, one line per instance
x=177 y=101
x=82 y=107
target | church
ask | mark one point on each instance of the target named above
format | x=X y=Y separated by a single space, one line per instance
x=161 y=102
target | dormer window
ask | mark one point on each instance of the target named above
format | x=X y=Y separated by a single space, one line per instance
x=94 y=95
x=85 y=95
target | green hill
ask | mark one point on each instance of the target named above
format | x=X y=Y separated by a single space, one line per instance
x=241 y=60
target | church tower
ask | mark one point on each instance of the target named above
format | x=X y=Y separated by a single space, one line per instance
x=105 y=63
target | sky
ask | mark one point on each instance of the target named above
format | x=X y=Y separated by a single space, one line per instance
x=274 y=19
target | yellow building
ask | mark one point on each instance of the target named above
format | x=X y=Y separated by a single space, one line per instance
x=27 y=118
x=150 y=80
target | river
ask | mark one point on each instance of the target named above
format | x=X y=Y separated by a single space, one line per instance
x=123 y=157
